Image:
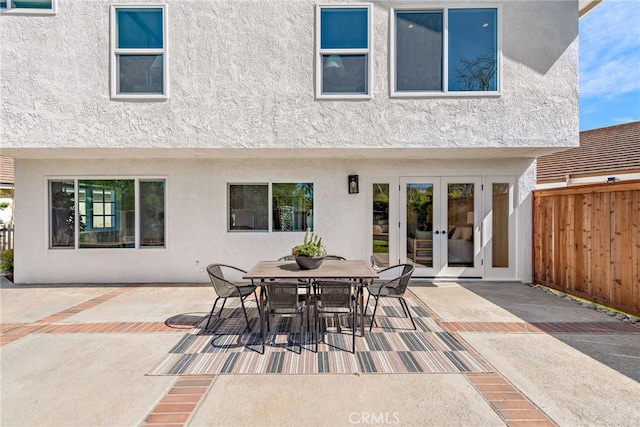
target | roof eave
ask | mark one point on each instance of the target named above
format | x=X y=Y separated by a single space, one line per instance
x=584 y=6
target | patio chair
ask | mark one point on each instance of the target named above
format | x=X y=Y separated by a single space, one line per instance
x=334 y=257
x=227 y=289
x=334 y=298
x=282 y=299
x=287 y=258
x=391 y=288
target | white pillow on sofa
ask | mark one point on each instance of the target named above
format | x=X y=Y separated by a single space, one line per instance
x=463 y=233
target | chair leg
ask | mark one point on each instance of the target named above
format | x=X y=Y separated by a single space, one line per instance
x=244 y=310
x=373 y=316
x=354 y=314
x=211 y=314
x=300 y=330
x=366 y=305
x=404 y=305
x=316 y=324
x=224 y=301
x=255 y=295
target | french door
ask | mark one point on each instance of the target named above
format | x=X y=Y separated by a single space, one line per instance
x=440 y=225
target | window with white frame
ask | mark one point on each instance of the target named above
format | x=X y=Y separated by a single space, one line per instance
x=445 y=51
x=343 y=40
x=290 y=204
x=106 y=213
x=41 y=7
x=138 y=52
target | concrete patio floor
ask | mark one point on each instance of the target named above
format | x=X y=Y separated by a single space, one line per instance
x=76 y=355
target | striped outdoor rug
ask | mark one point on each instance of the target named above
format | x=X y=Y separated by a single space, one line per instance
x=393 y=346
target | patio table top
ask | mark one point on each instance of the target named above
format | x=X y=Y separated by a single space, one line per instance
x=330 y=269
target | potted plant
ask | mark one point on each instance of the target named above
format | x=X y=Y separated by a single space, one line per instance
x=311 y=252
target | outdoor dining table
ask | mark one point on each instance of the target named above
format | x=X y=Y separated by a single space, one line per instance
x=358 y=270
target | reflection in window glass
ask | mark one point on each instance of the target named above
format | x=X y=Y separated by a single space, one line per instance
x=500 y=225
x=418 y=51
x=381 y=224
x=140 y=73
x=139 y=28
x=470 y=58
x=106 y=213
x=139 y=51
x=292 y=206
x=473 y=56
x=62 y=220
x=31 y=4
x=248 y=207
x=344 y=28
x=460 y=219
x=420 y=223
x=107 y=210
x=344 y=73
x=152 y=226
x=344 y=50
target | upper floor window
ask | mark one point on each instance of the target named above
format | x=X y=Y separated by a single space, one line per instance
x=28 y=6
x=138 y=52
x=343 y=40
x=450 y=51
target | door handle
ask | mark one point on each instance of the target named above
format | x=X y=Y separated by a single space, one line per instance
x=444 y=231
x=437 y=232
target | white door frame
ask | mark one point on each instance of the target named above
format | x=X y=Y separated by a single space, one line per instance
x=510 y=271
x=440 y=266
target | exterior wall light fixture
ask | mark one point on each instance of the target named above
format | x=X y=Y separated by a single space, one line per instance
x=353 y=184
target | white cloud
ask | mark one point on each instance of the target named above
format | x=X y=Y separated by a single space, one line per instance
x=610 y=49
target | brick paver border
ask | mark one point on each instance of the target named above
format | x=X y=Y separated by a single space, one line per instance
x=178 y=405
x=52 y=324
x=180 y=402
x=511 y=405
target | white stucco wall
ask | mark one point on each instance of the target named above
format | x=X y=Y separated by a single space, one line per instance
x=196 y=214
x=241 y=108
x=241 y=75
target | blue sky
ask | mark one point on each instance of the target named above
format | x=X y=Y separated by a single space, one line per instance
x=610 y=64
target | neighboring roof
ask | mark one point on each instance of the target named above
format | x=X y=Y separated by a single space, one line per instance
x=614 y=149
x=585 y=6
x=6 y=170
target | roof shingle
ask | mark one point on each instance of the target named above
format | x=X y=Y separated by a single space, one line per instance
x=6 y=170
x=613 y=149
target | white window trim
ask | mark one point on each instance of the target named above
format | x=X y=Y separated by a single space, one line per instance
x=368 y=52
x=9 y=10
x=269 y=185
x=445 y=49
x=164 y=51
x=76 y=196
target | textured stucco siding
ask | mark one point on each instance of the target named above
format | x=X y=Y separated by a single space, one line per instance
x=196 y=214
x=241 y=75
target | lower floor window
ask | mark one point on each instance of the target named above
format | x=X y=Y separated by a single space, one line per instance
x=125 y=213
x=290 y=204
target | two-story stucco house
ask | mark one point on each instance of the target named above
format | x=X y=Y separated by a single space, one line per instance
x=154 y=137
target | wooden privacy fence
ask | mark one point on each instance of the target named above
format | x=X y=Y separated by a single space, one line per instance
x=586 y=242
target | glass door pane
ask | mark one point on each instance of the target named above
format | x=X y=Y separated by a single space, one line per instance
x=460 y=221
x=500 y=225
x=460 y=233
x=499 y=220
x=380 y=218
x=419 y=223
